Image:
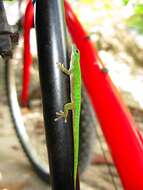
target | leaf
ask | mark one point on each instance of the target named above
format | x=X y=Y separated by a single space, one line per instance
x=125 y=2
x=139 y=9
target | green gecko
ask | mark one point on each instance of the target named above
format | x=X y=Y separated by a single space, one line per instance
x=75 y=85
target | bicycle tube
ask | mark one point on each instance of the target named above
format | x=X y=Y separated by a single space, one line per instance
x=28 y=23
x=55 y=90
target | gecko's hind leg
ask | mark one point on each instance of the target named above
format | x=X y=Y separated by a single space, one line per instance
x=64 y=114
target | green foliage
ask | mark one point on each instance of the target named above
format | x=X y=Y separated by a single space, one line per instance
x=125 y=2
x=136 y=22
x=139 y=9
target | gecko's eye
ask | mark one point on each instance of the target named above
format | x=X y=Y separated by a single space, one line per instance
x=77 y=51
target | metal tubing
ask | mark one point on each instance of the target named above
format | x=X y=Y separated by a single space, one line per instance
x=28 y=23
x=116 y=122
x=55 y=91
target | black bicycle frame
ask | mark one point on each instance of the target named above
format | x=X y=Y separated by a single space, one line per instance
x=50 y=29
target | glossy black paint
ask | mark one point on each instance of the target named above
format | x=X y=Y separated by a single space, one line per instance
x=55 y=91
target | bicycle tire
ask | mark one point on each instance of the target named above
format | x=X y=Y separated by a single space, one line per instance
x=87 y=125
x=18 y=124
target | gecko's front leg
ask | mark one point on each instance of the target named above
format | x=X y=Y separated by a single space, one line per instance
x=63 y=69
x=64 y=114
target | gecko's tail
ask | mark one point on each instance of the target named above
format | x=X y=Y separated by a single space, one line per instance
x=77 y=185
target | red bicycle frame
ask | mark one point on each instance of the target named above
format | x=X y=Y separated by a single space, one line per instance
x=28 y=23
x=124 y=140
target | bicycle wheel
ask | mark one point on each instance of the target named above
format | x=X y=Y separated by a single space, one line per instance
x=28 y=121
x=29 y=130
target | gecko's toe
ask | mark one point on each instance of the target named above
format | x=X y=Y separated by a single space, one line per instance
x=56 y=119
x=60 y=113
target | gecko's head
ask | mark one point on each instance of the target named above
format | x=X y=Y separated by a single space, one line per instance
x=75 y=52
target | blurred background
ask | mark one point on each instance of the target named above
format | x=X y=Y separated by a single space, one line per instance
x=115 y=27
